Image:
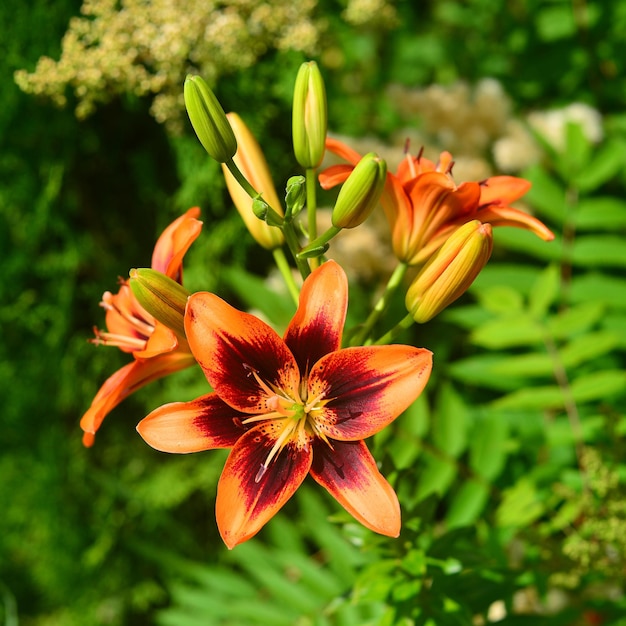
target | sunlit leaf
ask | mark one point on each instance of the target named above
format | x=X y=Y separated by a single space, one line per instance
x=599 y=251
x=544 y=292
x=603 y=213
x=606 y=163
x=521 y=504
x=450 y=422
x=576 y=319
x=467 y=504
x=508 y=331
x=488 y=445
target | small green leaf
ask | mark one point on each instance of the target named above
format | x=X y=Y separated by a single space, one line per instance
x=484 y=371
x=599 y=385
x=599 y=251
x=576 y=319
x=534 y=397
x=601 y=288
x=605 y=213
x=520 y=506
x=605 y=164
x=435 y=477
x=508 y=331
x=488 y=446
x=544 y=292
x=500 y=299
x=547 y=194
x=450 y=421
x=467 y=504
x=589 y=346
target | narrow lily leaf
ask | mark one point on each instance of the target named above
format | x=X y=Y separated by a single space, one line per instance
x=599 y=251
x=255 y=294
x=604 y=213
x=488 y=446
x=544 y=292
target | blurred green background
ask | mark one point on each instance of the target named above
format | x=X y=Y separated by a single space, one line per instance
x=510 y=470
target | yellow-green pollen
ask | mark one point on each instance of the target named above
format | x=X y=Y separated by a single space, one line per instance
x=301 y=418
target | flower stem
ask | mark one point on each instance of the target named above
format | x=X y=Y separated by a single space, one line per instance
x=285 y=270
x=383 y=302
x=389 y=336
x=287 y=228
x=311 y=208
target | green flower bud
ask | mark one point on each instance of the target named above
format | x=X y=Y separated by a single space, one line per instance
x=310 y=119
x=361 y=192
x=448 y=274
x=162 y=297
x=295 y=197
x=209 y=120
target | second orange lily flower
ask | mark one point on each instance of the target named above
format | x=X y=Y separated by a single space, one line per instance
x=424 y=206
x=157 y=351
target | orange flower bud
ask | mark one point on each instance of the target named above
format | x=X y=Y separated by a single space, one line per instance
x=251 y=162
x=450 y=271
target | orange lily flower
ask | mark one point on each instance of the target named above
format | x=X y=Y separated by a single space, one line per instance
x=289 y=407
x=157 y=350
x=424 y=205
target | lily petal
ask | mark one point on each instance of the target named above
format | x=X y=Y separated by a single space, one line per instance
x=342 y=150
x=348 y=471
x=162 y=340
x=368 y=387
x=126 y=381
x=317 y=326
x=334 y=175
x=503 y=190
x=237 y=350
x=508 y=216
x=174 y=242
x=205 y=423
x=247 y=499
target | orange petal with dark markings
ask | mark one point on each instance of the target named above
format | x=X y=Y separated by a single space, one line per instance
x=236 y=350
x=317 y=326
x=368 y=387
x=205 y=423
x=248 y=498
x=349 y=473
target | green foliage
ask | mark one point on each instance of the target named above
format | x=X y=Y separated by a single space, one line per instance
x=510 y=470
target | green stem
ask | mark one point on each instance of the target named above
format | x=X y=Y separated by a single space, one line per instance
x=389 y=336
x=294 y=247
x=320 y=242
x=290 y=235
x=383 y=302
x=285 y=270
x=311 y=208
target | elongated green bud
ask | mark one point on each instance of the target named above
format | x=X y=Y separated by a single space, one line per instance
x=162 y=297
x=310 y=118
x=450 y=271
x=209 y=120
x=361 y=192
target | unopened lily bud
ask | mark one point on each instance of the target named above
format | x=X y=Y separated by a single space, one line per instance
x=361 y=192
x=162 y=297
x=450 y=271
x=295 y=196
x=310 y=119
x=251 y=162
x=209 y=120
